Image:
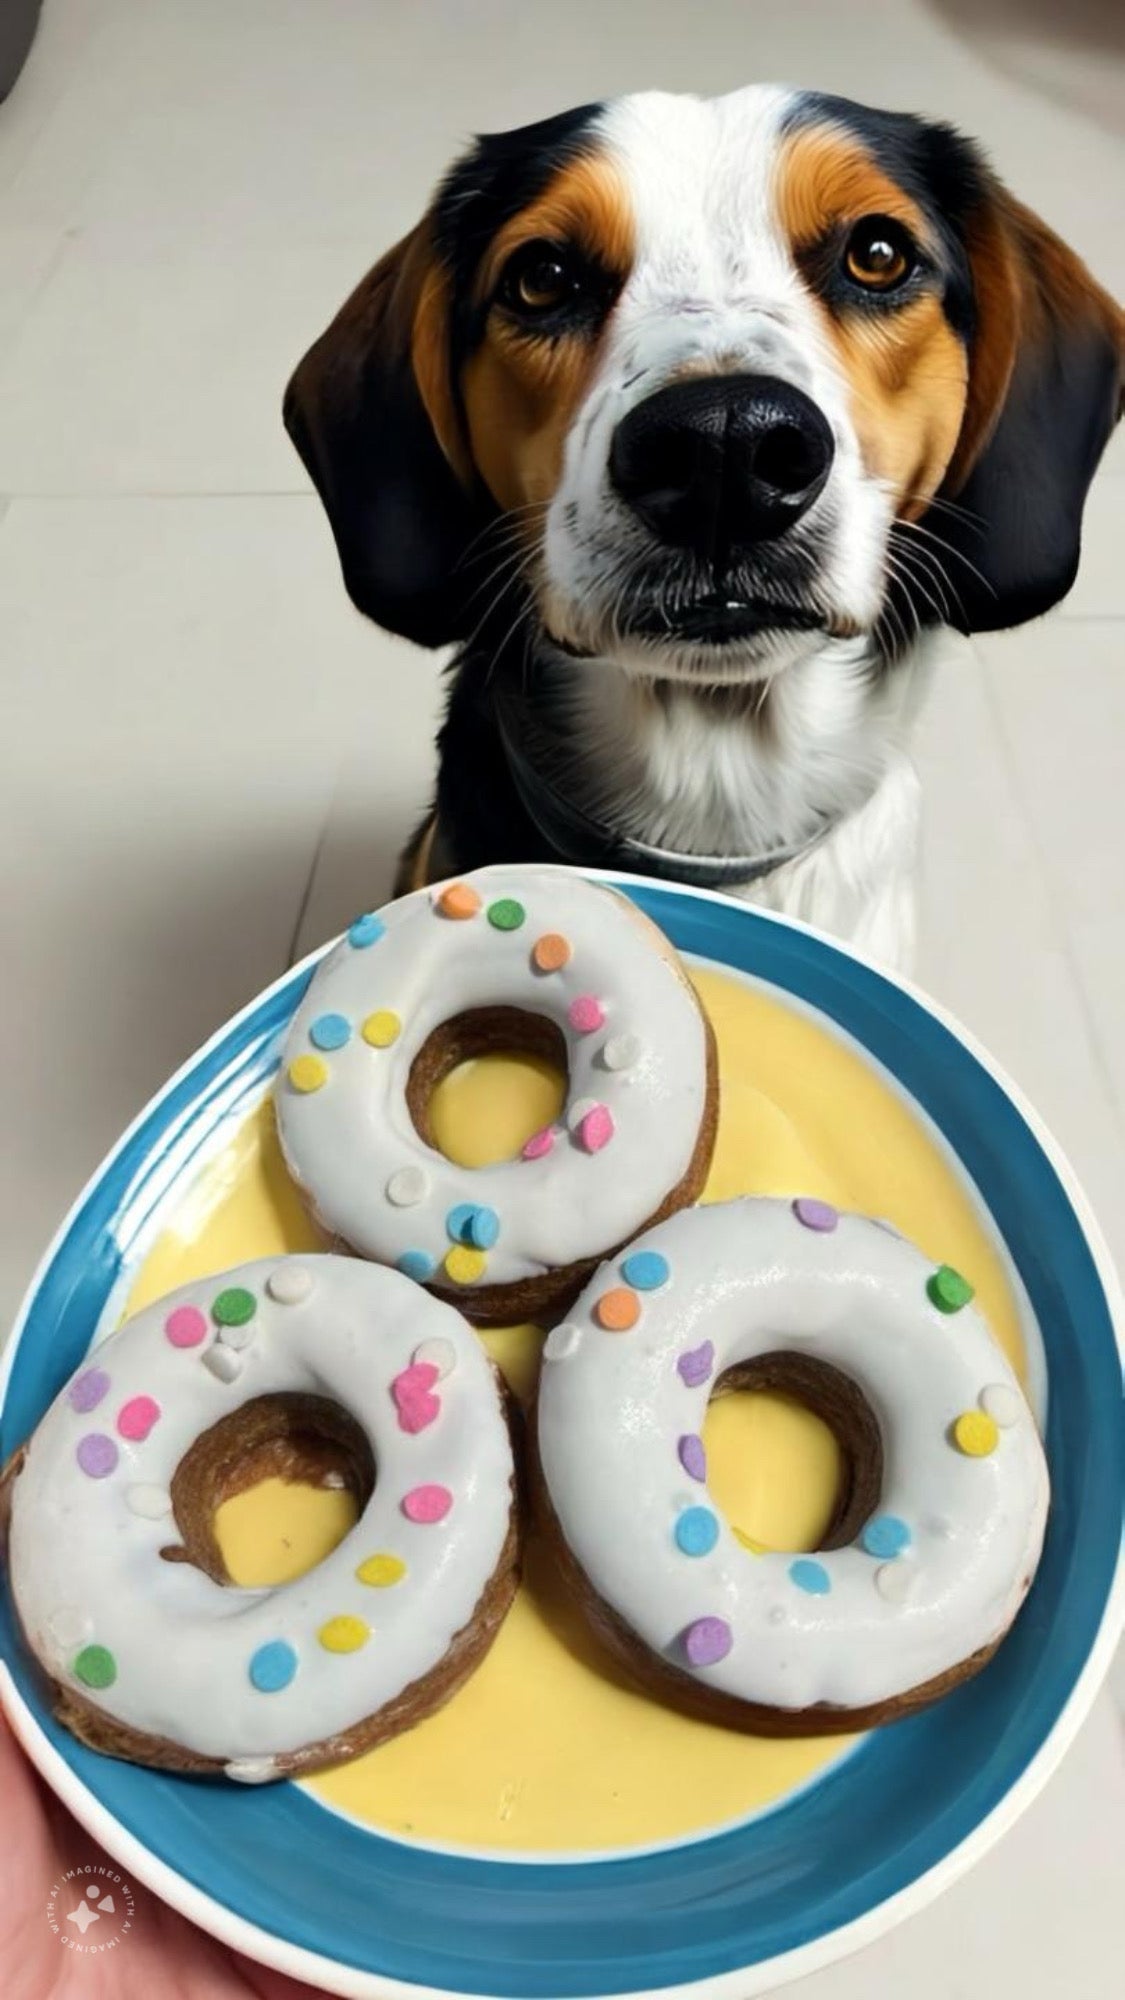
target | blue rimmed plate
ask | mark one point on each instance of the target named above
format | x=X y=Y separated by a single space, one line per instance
x=273 y=1874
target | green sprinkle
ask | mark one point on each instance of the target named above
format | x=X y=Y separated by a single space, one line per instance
x=507 y=914
x=96 y=1667
x=234 y=1306
x=948 y=1290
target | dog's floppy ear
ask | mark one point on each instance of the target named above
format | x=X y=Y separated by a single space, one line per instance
x=371 y=410
x=1045 y=376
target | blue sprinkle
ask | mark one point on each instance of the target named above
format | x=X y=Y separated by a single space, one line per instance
x=329 y=1031
x=482 y=1228
x=366 y=930
x=886 y=1537
x=417 y=1264
x=645 y=1270
x=273 y=1666
x=697 y=1531
x=459 y=1221
x=811 y=1576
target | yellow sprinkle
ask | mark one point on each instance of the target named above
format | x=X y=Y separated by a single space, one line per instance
x=307 y=1073
x=344 y=1635
x=464 y=1265
x=976 y=1433
x=381 y=1029
x=748 y=1542
x=379 y=1571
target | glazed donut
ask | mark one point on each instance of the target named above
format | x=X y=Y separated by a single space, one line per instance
x=320 y=1367
x=940 y=1517
x=532 y=959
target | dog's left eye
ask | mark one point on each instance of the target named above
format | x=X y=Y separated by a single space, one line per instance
x=540 y=278
x=879 y=254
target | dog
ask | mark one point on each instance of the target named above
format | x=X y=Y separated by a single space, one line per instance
x=692 y=423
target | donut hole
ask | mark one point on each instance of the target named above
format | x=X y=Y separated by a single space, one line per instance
x=269 y=1490
x=484 y=1081
x=794 y=1454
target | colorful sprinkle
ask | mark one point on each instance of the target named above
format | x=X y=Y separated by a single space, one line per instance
x=539 y=1144
x=551 y=952
x=330 y=1031
x=458 y=901
x=618 y=1310
x=465 y=1265
x=948 y=1290
x=381 y=1571
x=272 y=1666
x=507 y=914
x=344 y=1635
x=412 y=1391
x=381 y=1028
x=223 y=1362
x=483 y=1228
x=579 y=1109
x=895 y=1581
x=366 y=930
x=290 y=1283
x=886 y=1536
x=427 y=1504
x=695 y=1366
x=149 y=1503
x=96 y=1454
x=136 y=1418
x=596 y=1129
x=307 y=1073
x=457 y=1222
x=692 y=1454
x=707 y=1641
x=408 y=1186
x=185 y=1326
x=439 y=1354
x=976 y=1433
x=819 y=1215
x=1002 y=1403
x=234 y=1307
x=696 y=1531
x=622 y=1052
x=586 y=1014
x=96 y=1667
x=86 y=1390
x=810 y=1576
x=645 y=1269
x=562 y=1342
x=417 y=1264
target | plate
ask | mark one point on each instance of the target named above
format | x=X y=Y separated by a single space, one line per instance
x=736 y=1912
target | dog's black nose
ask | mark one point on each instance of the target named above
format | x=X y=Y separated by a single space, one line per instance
x=719 y=462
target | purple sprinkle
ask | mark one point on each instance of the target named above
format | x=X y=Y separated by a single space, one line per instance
x=695 y=1366
x=693 y=1456
x=815 y=1214
x=707 y=1641
x=86 y=1390
x=97 y=1454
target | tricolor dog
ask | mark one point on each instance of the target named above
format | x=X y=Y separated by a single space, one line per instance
x=690 y=423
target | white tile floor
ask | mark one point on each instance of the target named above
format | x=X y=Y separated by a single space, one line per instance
x=207 y=760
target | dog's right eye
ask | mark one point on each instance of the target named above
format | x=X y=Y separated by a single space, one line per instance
x=540 y=279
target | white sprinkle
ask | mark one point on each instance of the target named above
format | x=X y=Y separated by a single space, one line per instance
x=579 y=1110
x=150 y=1502
x=237 y=1337
x=290 y=1283
x=562 y=1341
x=1002 y=1403
x=223 y=1362
x=439 y=1354
x=69 y=1627
x=894 y=1581
x=251 y=1770
x=622 y=1052
x=408 y=1186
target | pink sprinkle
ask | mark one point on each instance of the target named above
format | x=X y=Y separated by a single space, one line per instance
x=538 y=1145
x=185 y=1327
x=136 y=1418
x=411 y=1389
x=426 y=1504
x=596 y=1129
x=586 y=1014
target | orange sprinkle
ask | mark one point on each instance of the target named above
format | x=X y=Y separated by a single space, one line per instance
x=551 y=952
x=458 y=901
x=618 y=1310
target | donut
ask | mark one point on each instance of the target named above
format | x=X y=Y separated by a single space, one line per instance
x=318 y=1367
x=526 y=959
x=939 y=1519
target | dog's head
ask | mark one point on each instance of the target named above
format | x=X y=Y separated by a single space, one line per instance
x=715 y=379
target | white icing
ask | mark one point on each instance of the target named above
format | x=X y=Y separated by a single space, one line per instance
x=747 y=1276
x=561 y=1342
x=349 y=1141
x=152 y=1503
x=183 y=1643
